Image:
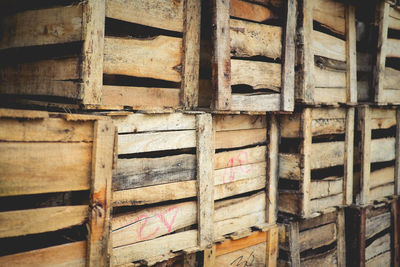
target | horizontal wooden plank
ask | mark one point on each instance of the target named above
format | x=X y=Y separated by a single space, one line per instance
x=26 y=168
x=394 y=19
x=239 y=187
x=155 y=194
x=238 y=224
x=141 y=97
x=249 y=11
x=42 y=27
x=325 y=188
x=328 y=113
x=381 y=192
x=57 y=77
x=289 y=166
x=238 y=122
x=390 y=96
x=392 y=79
x=250 y=39
x=383 y=259
x=329 y=95
x=139 y=172
x=393 y=48
x=320 y=204
x=249 y=256
x=155 y=247
x=326 y=45
x=383 y=113
x=317 y=237
x=259 y=75
x=146 y=142
x=234 y=245
x=290 y=125
x=328 y=126
x=330 y=14
x=327 y=154
x=240 y=157
x=133 y=227
x=377 y=224
x=328 y=258
x=377 y=247
x=289 y=202
x=381 y=177
x=71 y=254
x=55 y=130
x=240 y=138
x=157 y=58
x=256 y=102
x=383 y=122
x=23 y=114
x=137 y=123
x=159 y=13
x=325 y=218
x=382 y=149
x=33 y=221
x=232 y=174
x=329 y=78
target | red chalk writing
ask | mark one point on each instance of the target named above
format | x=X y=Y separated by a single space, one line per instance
x=242 y=158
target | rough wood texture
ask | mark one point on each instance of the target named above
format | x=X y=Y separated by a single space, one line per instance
x=306 y=152
x=348 y=158
x=272 y=184
x=351 y=54
x=365 y=147
x=397 y=155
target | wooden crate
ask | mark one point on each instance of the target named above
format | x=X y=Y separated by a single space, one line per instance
x=258 y=249
x=248 y=54
x=372 y=234
x=326 y=53
x=186 y=260
x=318 y=241
x=315 y=160
x=379 y=146
x=55 y=175
x=245 y=173
x=162 y=196
x=101 y=53
x=387 y=68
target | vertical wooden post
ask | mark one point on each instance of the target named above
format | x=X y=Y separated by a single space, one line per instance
x=294 y=246
x=306 y=55
x=287 y=93
x=272 y=182
x=355 y=236
x=94 y=16
x=348 y=160
x=365 y=149
x=191 y=53
x=351 y=55
x=209 y=257
x=341 y=239
x=205 y=179
x=306 y=120
x=189 y=260
x=397 y=155
x=272 y=247
x=100 y=195
x=379 y=69
x=396 y=232
x=221 y=57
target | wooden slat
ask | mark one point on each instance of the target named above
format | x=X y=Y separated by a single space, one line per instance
x=397 y=163
x=321 y=189
x=137 y=123
x=273 y=170
x=328 y=46
x=250 y=39
x=239 y=157
x=318 y=237
x=349 y=157
x=157 y=58
x=341 y=238
x=234 y=245
x=33 y=221
x=56 y=130
x=329 y=79
x=205 y=176
x=294 y=244
x=290 y=125
x=245 y=10
x=133 y=227
x=324 y=218
x=392 y=79
x=393 y=48
x=322 y=126
x=306 y=160
x=221 y=59
x=329 y=95
x=259 y=75
x=383 y=259
x=382 y=176
x=327 y=258
x=377 y=224
x=231 y=174
x=162 y=14
x=390 y=96
x=382 y=149
x=71 y=254
x=238 y=224
x=377 y=247
x=239 y=187
x=26 y=169
x=327 y=154
x=47 y=77
x=289 y=166
x=290 y=202
x=240 y=138
x=154 y=194
x=248 y=256
x=209 y=256
x=146 y=142
x=42 y=27
x=270 y=102
x=364 y=120
x=381 y=192
x=139 y=172
x=330 y=14
x=151 y=248
x=238 y=122
x=321 y=204
x=351 y=54
x=141 y=97
x=394 y=19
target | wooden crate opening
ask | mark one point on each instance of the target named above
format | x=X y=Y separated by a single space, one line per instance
x=247 y=55
x=318 y=241
x=315 y=160
x=55 y=194
x=326 y=53
x=101 y=53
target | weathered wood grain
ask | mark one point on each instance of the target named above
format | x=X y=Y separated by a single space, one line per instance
x=245 y=10
x=377 y=224
x=321 y=189
x=239 y=187
x=377 y=247
x=231 y=174
x=393 y=48
x=317 y=237
x=328 y=46
x=256 y=102
x=329 y=79
x=289 y=166
x=239 y=157
x=234 y=122
x=330 y=14
x=382 y=149
x=320 y=204
x=240 y=138
x=327 y=154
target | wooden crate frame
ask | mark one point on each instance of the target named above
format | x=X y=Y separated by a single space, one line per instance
x=371 y=185
x=83 y=146
x=258 y=249
x=154 y=167
x=299 y=240
x=372 y=230
x=299 y=194
x=76 y=81
x=335 y=81
x=245 y=162
x=227 y=72
x=386 y=78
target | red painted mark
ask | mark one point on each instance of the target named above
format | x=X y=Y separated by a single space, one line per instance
x=164 y=219
x=242 y=158
x=143 y=226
